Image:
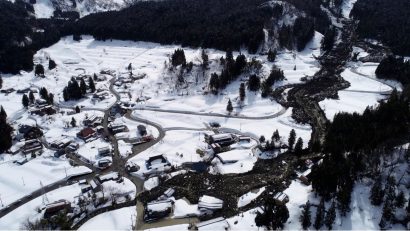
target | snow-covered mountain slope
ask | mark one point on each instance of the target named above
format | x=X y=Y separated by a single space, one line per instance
x=45 y=8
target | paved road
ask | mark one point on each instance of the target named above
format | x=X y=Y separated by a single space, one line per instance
x=211 y=114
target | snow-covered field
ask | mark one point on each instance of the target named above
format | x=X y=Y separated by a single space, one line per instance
x=120 y=219
x=18 y=181
x=365 y=90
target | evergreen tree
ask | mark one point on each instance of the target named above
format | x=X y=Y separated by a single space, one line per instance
x=66 y=96
x=240 y=64
x=25 y=101
x=305 y=216
x=83 y=87
x=320 y=215
x=242 y=93
x=1 y=82
x=299 y=146
x=205 y=59
x=31 y=97
x=254 y=83
x=129 y=68
x=39 y=70
x=376 y=192
x=276 y=136
x=330 y=216
x=344 y=196
x=400 y=200
x=387 y=214
x=229 y=107
x=266 y=89
x=91 y=84
x=3 y=114
x=73 y=122
x=50 y=98
x=51 y=64
x=262 y=139
x=214 y=83
x=77 y=109
x=95 y=77
x=291 y=139
x=44 y=93
x=271 y=55
x=178 y=58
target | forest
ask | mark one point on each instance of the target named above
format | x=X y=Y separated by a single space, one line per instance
x=385 y=20
x=18 y=40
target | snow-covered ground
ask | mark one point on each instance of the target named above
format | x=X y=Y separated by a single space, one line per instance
x=349 y=102
x=120 y=219
x=304 y=61
x=347 y=7
x=365 y=90
x=18 y=181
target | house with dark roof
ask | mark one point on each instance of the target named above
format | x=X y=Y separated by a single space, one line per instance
x=87 y=134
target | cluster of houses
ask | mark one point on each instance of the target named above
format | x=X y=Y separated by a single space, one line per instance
x=91 y=190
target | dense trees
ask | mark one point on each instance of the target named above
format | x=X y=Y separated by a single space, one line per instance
x=178 y=58
x=6 y=132
x=74 y=91
x=273 y=215
x=328 y=39
x=385 y=20
x=254 y=83
x=275 y=75
x=39 y=70
x=18 y=40
x=353 y=132
x=207 y=23
x=394 y=68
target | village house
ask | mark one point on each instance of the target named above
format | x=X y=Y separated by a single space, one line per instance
x=117 y=128
x=56 y=207
x=304 y=177
x=156 y=210
x=28 y=132
x=43 y=110
x=207 y=205
x=72 y=147
x=60 y=144
x=93 y=121
x=32 y=146
x=224 y=139
x=218 y=223
x=87 y=134
x=158 y=162
x=104 y=163
x=104 y=151
x=281 y=198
